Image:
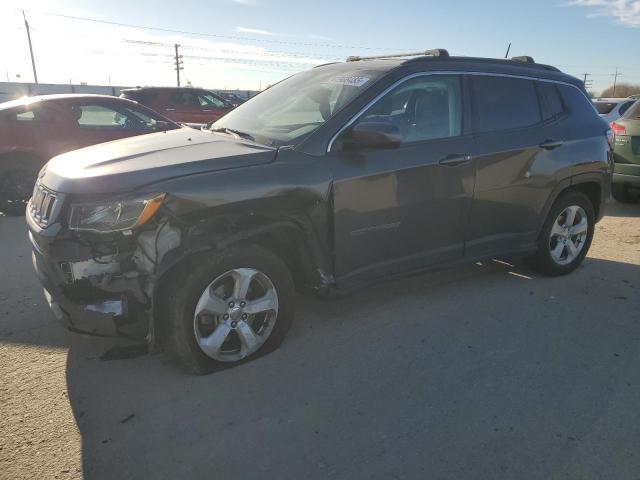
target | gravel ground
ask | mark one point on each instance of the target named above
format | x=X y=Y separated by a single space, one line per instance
x=486 y=371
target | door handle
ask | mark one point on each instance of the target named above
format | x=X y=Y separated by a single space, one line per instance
x=169 y=109
x=455 y=159
x=550 y=144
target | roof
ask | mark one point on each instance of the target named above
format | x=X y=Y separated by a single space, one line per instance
x=461 y=64
x=138 y=89
x=22 y=101
x=613 y=100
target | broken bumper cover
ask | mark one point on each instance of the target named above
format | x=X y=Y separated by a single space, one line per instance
x=104 y=314
x=94 y=319
x=106 y=317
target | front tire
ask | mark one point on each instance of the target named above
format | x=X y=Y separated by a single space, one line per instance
x=566 y=235
x=228 y=308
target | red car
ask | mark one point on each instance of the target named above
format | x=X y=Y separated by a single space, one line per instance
x=193 y=106
x=35 y=129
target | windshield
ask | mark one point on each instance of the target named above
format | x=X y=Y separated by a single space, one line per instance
x=291 y=110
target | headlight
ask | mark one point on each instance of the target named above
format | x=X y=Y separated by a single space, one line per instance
x=114 y=215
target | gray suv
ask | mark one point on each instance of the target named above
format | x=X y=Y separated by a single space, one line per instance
x=334 y=178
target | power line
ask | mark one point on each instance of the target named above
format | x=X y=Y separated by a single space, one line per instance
x=214 y=35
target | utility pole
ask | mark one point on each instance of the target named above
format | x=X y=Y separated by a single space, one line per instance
x=587 y=83
x=615 y=81
x=33 y=61
x=178 y=63
x=506 y=55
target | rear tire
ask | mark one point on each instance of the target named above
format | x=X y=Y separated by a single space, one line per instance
x=566 y=235
x=213 y=276
x=621 y=193
x=18 y=175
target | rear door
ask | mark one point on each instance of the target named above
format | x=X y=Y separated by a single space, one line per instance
x=403 y=209
x=515 y=149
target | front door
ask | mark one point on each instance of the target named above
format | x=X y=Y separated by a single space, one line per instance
x=407 y=208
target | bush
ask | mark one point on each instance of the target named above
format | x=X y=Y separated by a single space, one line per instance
x=622 y=90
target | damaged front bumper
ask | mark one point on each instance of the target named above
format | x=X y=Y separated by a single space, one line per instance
x=104 y=295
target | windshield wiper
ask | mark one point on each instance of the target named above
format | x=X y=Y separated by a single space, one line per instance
x=235 y=133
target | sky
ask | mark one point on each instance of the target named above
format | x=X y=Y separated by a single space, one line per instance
x=249 y=44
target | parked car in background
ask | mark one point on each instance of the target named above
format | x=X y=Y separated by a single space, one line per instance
x=611 y=109
x=342 y=175
x=234 y=99
x=34 y=129
x=195 y=107
x=626 y=154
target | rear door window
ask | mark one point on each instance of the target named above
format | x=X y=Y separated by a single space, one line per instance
x=550 y=100
x=186 y=100
x=504 y=103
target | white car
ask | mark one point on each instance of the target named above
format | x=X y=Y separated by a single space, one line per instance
x=611 y=109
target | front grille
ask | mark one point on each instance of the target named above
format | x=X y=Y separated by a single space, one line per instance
x=42 y=205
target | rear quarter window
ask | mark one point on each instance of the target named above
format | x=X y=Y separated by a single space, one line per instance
x=634 y=111
x=624 y=108
x=604 y=107
x=503 y=103
x=577 y=102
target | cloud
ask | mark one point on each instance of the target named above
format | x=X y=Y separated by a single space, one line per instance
x=256 y=31
x=250 y=3
x=626 y=12
x=313 y=36
x=101 y=54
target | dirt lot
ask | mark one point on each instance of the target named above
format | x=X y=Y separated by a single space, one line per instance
x=487 y=371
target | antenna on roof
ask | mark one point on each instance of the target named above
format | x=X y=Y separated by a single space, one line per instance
x=506 y=55
x=436 y=52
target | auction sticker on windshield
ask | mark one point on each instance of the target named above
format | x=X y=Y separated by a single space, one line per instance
x=350 y=80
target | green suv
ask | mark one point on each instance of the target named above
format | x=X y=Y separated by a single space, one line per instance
x=626 y=151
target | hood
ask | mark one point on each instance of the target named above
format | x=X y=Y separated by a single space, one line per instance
x=126 y=165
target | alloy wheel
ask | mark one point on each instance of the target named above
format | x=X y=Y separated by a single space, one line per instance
x=235 y=314
x=568 y=235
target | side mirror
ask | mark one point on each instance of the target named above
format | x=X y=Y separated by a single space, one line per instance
x=375 y=134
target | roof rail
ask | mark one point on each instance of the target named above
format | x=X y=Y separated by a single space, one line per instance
x=524 y=59
x=436 y=52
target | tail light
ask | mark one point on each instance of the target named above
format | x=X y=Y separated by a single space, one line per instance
x=618 y=129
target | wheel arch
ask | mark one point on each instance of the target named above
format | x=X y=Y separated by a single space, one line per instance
x=285 y=238
x=591 y=184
